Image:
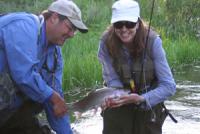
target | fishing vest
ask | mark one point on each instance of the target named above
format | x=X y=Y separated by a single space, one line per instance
x=134 y=72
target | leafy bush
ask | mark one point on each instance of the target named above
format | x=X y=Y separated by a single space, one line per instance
x=182 y=16
x=177 y=17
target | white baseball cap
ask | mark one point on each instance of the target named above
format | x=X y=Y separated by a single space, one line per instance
x=69 y=9
x=125 y=10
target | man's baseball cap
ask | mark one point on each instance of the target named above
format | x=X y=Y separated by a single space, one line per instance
x=69 y=9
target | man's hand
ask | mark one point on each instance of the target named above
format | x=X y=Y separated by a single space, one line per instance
x=59 y=106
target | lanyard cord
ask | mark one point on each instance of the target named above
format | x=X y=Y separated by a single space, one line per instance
x=40 y=20
x=53 y=70
x=45 y=65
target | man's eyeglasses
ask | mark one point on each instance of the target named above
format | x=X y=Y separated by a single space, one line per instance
x=127 y=24
x=71 y=27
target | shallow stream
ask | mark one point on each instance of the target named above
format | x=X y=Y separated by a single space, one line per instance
x=185 y=107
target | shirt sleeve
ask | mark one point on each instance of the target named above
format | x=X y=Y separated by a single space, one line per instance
x=109 y=75
x=166 y=84
x=20 y=39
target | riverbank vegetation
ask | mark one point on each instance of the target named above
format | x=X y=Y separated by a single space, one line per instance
x=178 y=23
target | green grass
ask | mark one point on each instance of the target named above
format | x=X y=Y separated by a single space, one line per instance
x=182 y=51
x=81 y=66
x=35 y=6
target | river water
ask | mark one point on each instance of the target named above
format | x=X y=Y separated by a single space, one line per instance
x=184 y=106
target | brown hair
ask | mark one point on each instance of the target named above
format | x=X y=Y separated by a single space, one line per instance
x=113 y=43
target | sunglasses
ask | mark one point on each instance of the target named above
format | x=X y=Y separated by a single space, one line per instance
x=127 y=24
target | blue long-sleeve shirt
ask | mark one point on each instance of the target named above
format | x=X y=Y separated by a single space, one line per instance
x=166 y=84
x=23 y=53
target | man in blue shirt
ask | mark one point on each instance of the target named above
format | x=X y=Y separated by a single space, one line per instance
x=31 y=67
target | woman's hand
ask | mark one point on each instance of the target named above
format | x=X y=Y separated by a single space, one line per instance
x=112 y=102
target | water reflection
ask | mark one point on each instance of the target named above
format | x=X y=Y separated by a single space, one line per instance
x=184 y=106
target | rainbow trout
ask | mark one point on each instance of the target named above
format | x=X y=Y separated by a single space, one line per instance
x=95 y=98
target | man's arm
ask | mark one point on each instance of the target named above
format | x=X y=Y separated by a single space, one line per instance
x=20 y=39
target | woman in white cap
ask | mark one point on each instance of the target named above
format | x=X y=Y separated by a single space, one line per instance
x=128 y=64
